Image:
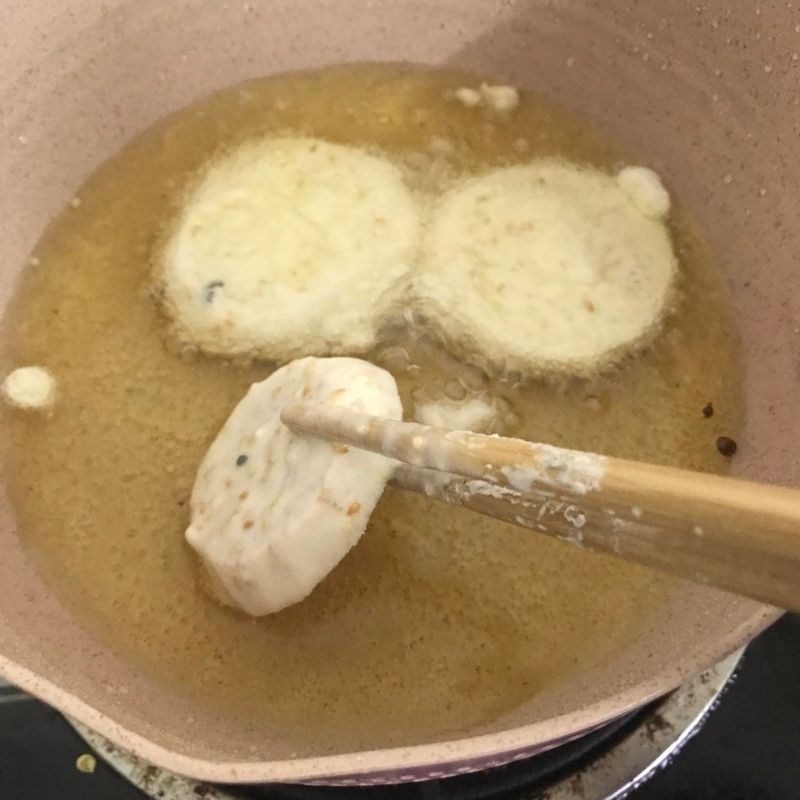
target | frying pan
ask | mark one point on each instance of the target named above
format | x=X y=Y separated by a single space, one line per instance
x=707 y=92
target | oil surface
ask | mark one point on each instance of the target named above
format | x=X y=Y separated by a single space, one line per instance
x=439 y=621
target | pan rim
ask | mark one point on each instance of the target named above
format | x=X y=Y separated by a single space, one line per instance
x=361 y=766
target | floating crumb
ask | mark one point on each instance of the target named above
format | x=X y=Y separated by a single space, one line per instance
x=86 y=762
x=644 y=188
x=726 y=446
x=708 y=410
x=468 y=97
x=500 y=98
x=30 y=388
x=475 y=414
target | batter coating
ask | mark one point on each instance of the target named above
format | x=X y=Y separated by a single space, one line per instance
x=273 y=512
x=289 y=247
x=546 y=267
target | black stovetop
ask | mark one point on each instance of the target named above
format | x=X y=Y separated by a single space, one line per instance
x=749 y=748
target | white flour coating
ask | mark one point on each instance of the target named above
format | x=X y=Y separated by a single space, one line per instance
x=552 y=468
x=574 y=516
x=30 y=388
x=488 y=489
x=645 y=190
x=289 y=247
x=572 y=471
x=544 y=267
x=273 y=512
x=556 y=468
x=561 y=510
x=443 y=484
x=476 y=414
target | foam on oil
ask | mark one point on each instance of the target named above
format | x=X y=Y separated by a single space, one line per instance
x=440 y=621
